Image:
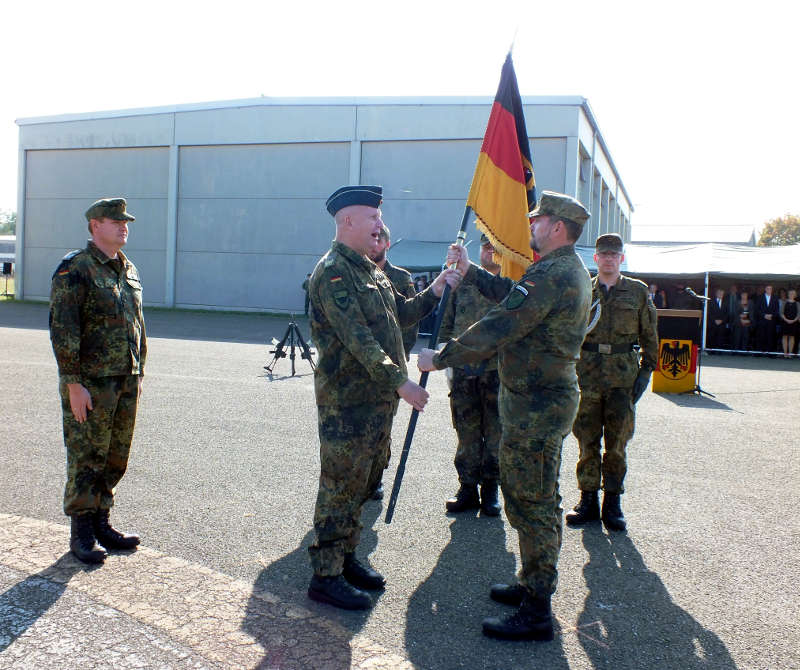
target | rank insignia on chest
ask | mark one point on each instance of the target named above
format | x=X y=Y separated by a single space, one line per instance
x=516 y=297
x=335 y=279
x=342 y=298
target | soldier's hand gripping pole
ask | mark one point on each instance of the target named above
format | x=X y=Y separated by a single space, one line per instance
x=423 y=380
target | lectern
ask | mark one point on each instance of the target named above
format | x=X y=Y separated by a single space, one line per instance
x=679 y=334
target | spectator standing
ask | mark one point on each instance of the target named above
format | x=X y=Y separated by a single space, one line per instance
x=742 y=323
x=767 y=312
x=717 y=321
x=791 y=323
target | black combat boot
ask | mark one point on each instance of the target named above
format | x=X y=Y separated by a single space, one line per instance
x=109 y=537
x=490 y=505
x=377 y=492
x=466 y=499
x=362 y=576
x=508 y=594
x=82 y=542
x=612 y=512
x=532 y=621
x=587 y=509
x=337 y=591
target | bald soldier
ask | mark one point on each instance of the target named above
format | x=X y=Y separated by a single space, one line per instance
x=612 y=378
x=98 y=336
x=536 y=332
x=356 y=321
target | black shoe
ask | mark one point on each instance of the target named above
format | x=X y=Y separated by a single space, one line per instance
x=82 y=541
x=532 y=621
x=490 y=505
x=508 y=594
x=377 y=492
x=587 y=509
x=360 y=575
x=110 y=537
x=337 y=591
x=612 y=512
x=465 y=499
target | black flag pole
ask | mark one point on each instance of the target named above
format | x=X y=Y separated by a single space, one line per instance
x=423 y=380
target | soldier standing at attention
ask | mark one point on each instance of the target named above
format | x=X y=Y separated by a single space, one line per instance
x=403 y=284
x=356 y=321
x=98 y=336
x=473 y=402
x=536 y=332
x=612 y=379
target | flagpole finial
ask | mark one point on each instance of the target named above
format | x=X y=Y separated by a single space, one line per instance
x=513 y=40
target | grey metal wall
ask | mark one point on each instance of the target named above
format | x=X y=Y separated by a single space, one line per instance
x=229 y=198
x=60 y=185
x=252 y=223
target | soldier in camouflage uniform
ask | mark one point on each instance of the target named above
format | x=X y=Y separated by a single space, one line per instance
x=403 y=284
x=356 y=321
x=473 y=402
x=536 y=332
x=98 y=336
x=612 y=378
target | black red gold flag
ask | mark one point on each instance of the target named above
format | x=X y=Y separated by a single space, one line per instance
x=503 y=188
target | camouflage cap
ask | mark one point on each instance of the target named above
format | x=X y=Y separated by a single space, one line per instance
x=561 y=205
x=109 y=208
x=609 y=242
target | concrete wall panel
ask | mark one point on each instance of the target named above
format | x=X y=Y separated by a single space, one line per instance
x=420 y=169
x=242 y=281
x=89 y=174
x=147 y=130
x=249 y=125
x=255 y=225
x=263 y=170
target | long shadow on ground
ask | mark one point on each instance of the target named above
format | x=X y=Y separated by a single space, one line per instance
x=629 y=619
x=443 y=626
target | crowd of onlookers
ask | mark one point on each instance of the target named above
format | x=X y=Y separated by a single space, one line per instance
x=742 y=318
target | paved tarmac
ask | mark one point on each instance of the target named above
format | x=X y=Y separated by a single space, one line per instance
x=221 y=486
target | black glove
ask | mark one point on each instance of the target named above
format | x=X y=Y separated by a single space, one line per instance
x=639 y=386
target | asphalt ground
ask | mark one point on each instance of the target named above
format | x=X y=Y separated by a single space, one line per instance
x=222 y=482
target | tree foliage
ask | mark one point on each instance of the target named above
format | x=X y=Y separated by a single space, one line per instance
x=781 y=232
x=8 y=222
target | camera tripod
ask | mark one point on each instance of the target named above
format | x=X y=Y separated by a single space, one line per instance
x=294 y=339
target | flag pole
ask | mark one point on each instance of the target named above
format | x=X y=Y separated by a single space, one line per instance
x=423 y=380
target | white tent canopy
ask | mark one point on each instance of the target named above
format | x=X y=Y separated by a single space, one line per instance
x=714 y=259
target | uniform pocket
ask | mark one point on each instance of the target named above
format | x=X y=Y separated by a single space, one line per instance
x=105 y=296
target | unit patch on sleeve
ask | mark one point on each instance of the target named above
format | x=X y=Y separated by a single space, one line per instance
x=516 y=297
x=342 y=298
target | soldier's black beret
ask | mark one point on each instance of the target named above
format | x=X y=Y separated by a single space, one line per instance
x=370 y=196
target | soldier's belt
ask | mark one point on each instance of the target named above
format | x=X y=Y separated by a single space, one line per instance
x=608 y=348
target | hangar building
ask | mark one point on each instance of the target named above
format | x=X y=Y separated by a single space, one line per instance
x=229 y=196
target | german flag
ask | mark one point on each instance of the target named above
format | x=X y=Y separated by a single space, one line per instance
x=503 y=188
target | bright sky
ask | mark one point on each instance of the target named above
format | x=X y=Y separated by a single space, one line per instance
x=695 y=99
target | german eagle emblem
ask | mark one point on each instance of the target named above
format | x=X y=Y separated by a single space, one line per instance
x=675 y=358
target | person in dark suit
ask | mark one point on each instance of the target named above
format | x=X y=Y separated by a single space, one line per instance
x=657 y=297
x=732 y=301
x=767 y=313
x=717 y=321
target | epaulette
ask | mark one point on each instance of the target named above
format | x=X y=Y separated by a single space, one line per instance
x=330 y=260
x=63 y=266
